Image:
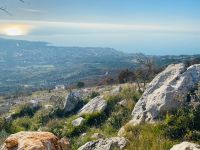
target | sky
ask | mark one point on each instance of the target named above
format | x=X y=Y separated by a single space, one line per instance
x=158 y=27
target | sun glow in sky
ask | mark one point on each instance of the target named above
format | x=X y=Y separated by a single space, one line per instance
x=13 y=29
x=147 y=26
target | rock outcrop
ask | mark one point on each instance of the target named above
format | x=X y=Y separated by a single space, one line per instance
x=166 y=92
x=97 y=104
x=186 y=146
x=106 y=144
x=34 y=141
x=71 y=101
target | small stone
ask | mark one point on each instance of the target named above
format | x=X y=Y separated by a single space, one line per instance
x=77 y=122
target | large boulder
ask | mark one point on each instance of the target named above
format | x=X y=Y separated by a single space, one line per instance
x=167 y=91
x=106 y=144
x=186 y=146
x=34 y=141
x=71 y=102
x=97 y=104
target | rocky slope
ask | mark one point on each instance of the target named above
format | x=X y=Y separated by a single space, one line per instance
x=91 y=117
x=166 y=92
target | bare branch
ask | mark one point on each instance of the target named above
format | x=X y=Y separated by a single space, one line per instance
x=5 y=10
x=21 y=1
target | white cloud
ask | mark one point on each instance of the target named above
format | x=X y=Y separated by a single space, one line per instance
x=33 y=10
x=106 y=26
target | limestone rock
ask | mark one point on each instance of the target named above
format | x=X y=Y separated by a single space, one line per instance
x=186 y=146
x=97 y=104
x=33 y=141
x=77 y=122
x=71 y=101
x=106 y=144
x=166 y=92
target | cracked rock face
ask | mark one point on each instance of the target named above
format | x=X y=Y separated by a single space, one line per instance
x=106 y=144
x=186 y=146
x=166 y=92
x=71 y=101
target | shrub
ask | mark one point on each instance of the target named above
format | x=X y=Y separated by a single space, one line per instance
x=2 y=123
x=20 y=124
x=147 y=136
x=80 y=84
x=94 y=118
x=183 y=123
x=130 y=93
x=118 y=118
x=40 y=118
x=192 y=136
x=94 y=94
x=72 y=131
x=3 y=136
x=55 y=126
x=24 y=110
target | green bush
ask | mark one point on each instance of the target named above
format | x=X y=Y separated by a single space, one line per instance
x=182 y=123
x=130 y=93
x=55 y=126
x=40 y=118
x=94 y=94
x=94 y=118
x=25 y=109
x=20 y=124
x=72 y=131
x=147 y=136
x=2 y=123
x=3 y=136
x=192 y=136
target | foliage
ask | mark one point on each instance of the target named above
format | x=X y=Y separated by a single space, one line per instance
x=56 y=126
x=147 y=136
x=183 y=123
x=2 y=123
x=94 y=94
x=80 y=84
x=125 y=76
x=20 y=124
x=94 y=118
x=72 y=131
x=41 y=118
x=25 y=109
x=3 y=136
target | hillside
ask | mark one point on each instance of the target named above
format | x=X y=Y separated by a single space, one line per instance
x=38 y=65
x=27 y=66
x=110 y=116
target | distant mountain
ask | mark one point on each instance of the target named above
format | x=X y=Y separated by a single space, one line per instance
x=26 y=65
x=36 y=64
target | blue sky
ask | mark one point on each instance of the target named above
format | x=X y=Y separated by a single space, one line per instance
x=148 y=26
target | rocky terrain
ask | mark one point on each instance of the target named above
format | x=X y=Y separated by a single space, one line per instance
x=111 y=117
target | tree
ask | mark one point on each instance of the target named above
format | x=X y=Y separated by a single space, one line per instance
x=146 y=70
x=80 y=84
x=125 y=76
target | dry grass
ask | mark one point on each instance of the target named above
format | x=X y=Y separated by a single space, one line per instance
x=147 y=137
